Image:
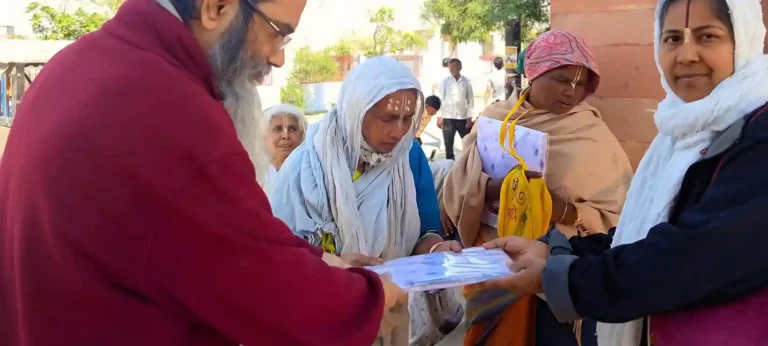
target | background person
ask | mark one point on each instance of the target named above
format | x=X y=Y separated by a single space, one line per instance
x=352 y=188
x=695 y=213
x=587 y=173
x=286 y=130
x=458 y=101
x=495 y=89
x=431 y=107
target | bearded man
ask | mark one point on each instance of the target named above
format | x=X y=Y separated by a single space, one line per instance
x=130 y=213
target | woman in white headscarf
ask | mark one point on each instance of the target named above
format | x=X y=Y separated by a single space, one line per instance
x=285 y=131
x=689 y=250
x=349 y=187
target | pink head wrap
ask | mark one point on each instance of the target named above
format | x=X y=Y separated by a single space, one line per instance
x=555 y=49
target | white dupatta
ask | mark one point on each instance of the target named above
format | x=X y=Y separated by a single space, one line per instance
x=685 y=131
x=376 y=215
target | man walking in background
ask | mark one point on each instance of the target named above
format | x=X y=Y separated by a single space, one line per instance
x=495 y=90
x=458 y=101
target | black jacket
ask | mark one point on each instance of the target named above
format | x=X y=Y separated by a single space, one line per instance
x=711 y=251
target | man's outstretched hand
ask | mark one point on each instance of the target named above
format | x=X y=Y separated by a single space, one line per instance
x=528 y=260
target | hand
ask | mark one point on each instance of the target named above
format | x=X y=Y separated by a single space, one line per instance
x=518 y=248
x=525 y=281
x=493 y=187
x=335 y=261
x=448 y=246
x=395 y=304
x=439 y=122
x=469 y=123
x=448 y=226
x=359 y=260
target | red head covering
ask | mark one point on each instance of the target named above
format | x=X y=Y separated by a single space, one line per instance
x=555 y=49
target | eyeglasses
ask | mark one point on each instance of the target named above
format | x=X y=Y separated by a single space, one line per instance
x=283 y=34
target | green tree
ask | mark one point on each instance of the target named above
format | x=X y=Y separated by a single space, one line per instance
x=351 y=45
x=313 y=66
x=387 y=40
x=293 y=93
x=309 y=67
x=49 y=23
x=474 y=20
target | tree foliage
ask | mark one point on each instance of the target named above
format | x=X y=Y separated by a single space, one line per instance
x=313 y=66
x=49 y=23
x=388 y=40
x=474 y=20
x=309 y=67
x=351 y=45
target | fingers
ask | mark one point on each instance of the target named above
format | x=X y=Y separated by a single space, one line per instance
x=360 y=260
x=374 y=261
x=532 y=175
x=527 y=264
x=497 y=243
x=513 y=246
x=455 y=246
x=393 y=295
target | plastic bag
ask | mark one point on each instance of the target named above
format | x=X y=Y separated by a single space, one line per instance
x=446 y=269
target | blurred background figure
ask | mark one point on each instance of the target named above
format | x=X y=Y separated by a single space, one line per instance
x=495 y=89
x=286 y=130
x=432 y=106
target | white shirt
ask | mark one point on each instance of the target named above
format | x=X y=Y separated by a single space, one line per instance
x=457 y=97
x=498 y=81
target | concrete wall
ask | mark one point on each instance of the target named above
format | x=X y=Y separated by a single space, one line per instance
x=620 y=33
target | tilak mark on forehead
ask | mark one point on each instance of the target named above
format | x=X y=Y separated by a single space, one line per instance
x=687 y=31
x=578 y=75
x=395 y=105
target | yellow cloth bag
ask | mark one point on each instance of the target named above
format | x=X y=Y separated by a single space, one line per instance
x=525 y=207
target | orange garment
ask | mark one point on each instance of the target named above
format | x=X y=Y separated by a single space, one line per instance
x=518 y=321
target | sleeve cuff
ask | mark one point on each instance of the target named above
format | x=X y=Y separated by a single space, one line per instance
x=556 y=288
x=559 y=244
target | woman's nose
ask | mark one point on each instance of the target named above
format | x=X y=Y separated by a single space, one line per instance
x=687 y=53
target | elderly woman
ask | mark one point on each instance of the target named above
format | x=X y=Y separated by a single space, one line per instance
x=690 y=248
x=587 y=173
x=351 y=188
x=286 y=129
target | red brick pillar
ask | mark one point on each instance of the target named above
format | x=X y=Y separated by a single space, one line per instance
x=620 y=33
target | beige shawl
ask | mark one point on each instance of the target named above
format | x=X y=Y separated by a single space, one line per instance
x=586 y=167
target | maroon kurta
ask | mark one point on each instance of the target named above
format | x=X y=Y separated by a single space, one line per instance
x=130 y=213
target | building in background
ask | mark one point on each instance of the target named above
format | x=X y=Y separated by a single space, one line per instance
x=630 y=87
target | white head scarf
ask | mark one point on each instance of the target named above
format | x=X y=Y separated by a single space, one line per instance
x=287 y=109
x=377 y=214
x=685 y=131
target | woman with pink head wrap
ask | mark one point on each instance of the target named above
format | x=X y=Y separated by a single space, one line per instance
x=587 y=173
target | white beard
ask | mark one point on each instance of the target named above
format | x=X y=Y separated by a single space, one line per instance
x=234 y=72
x=244 y=107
